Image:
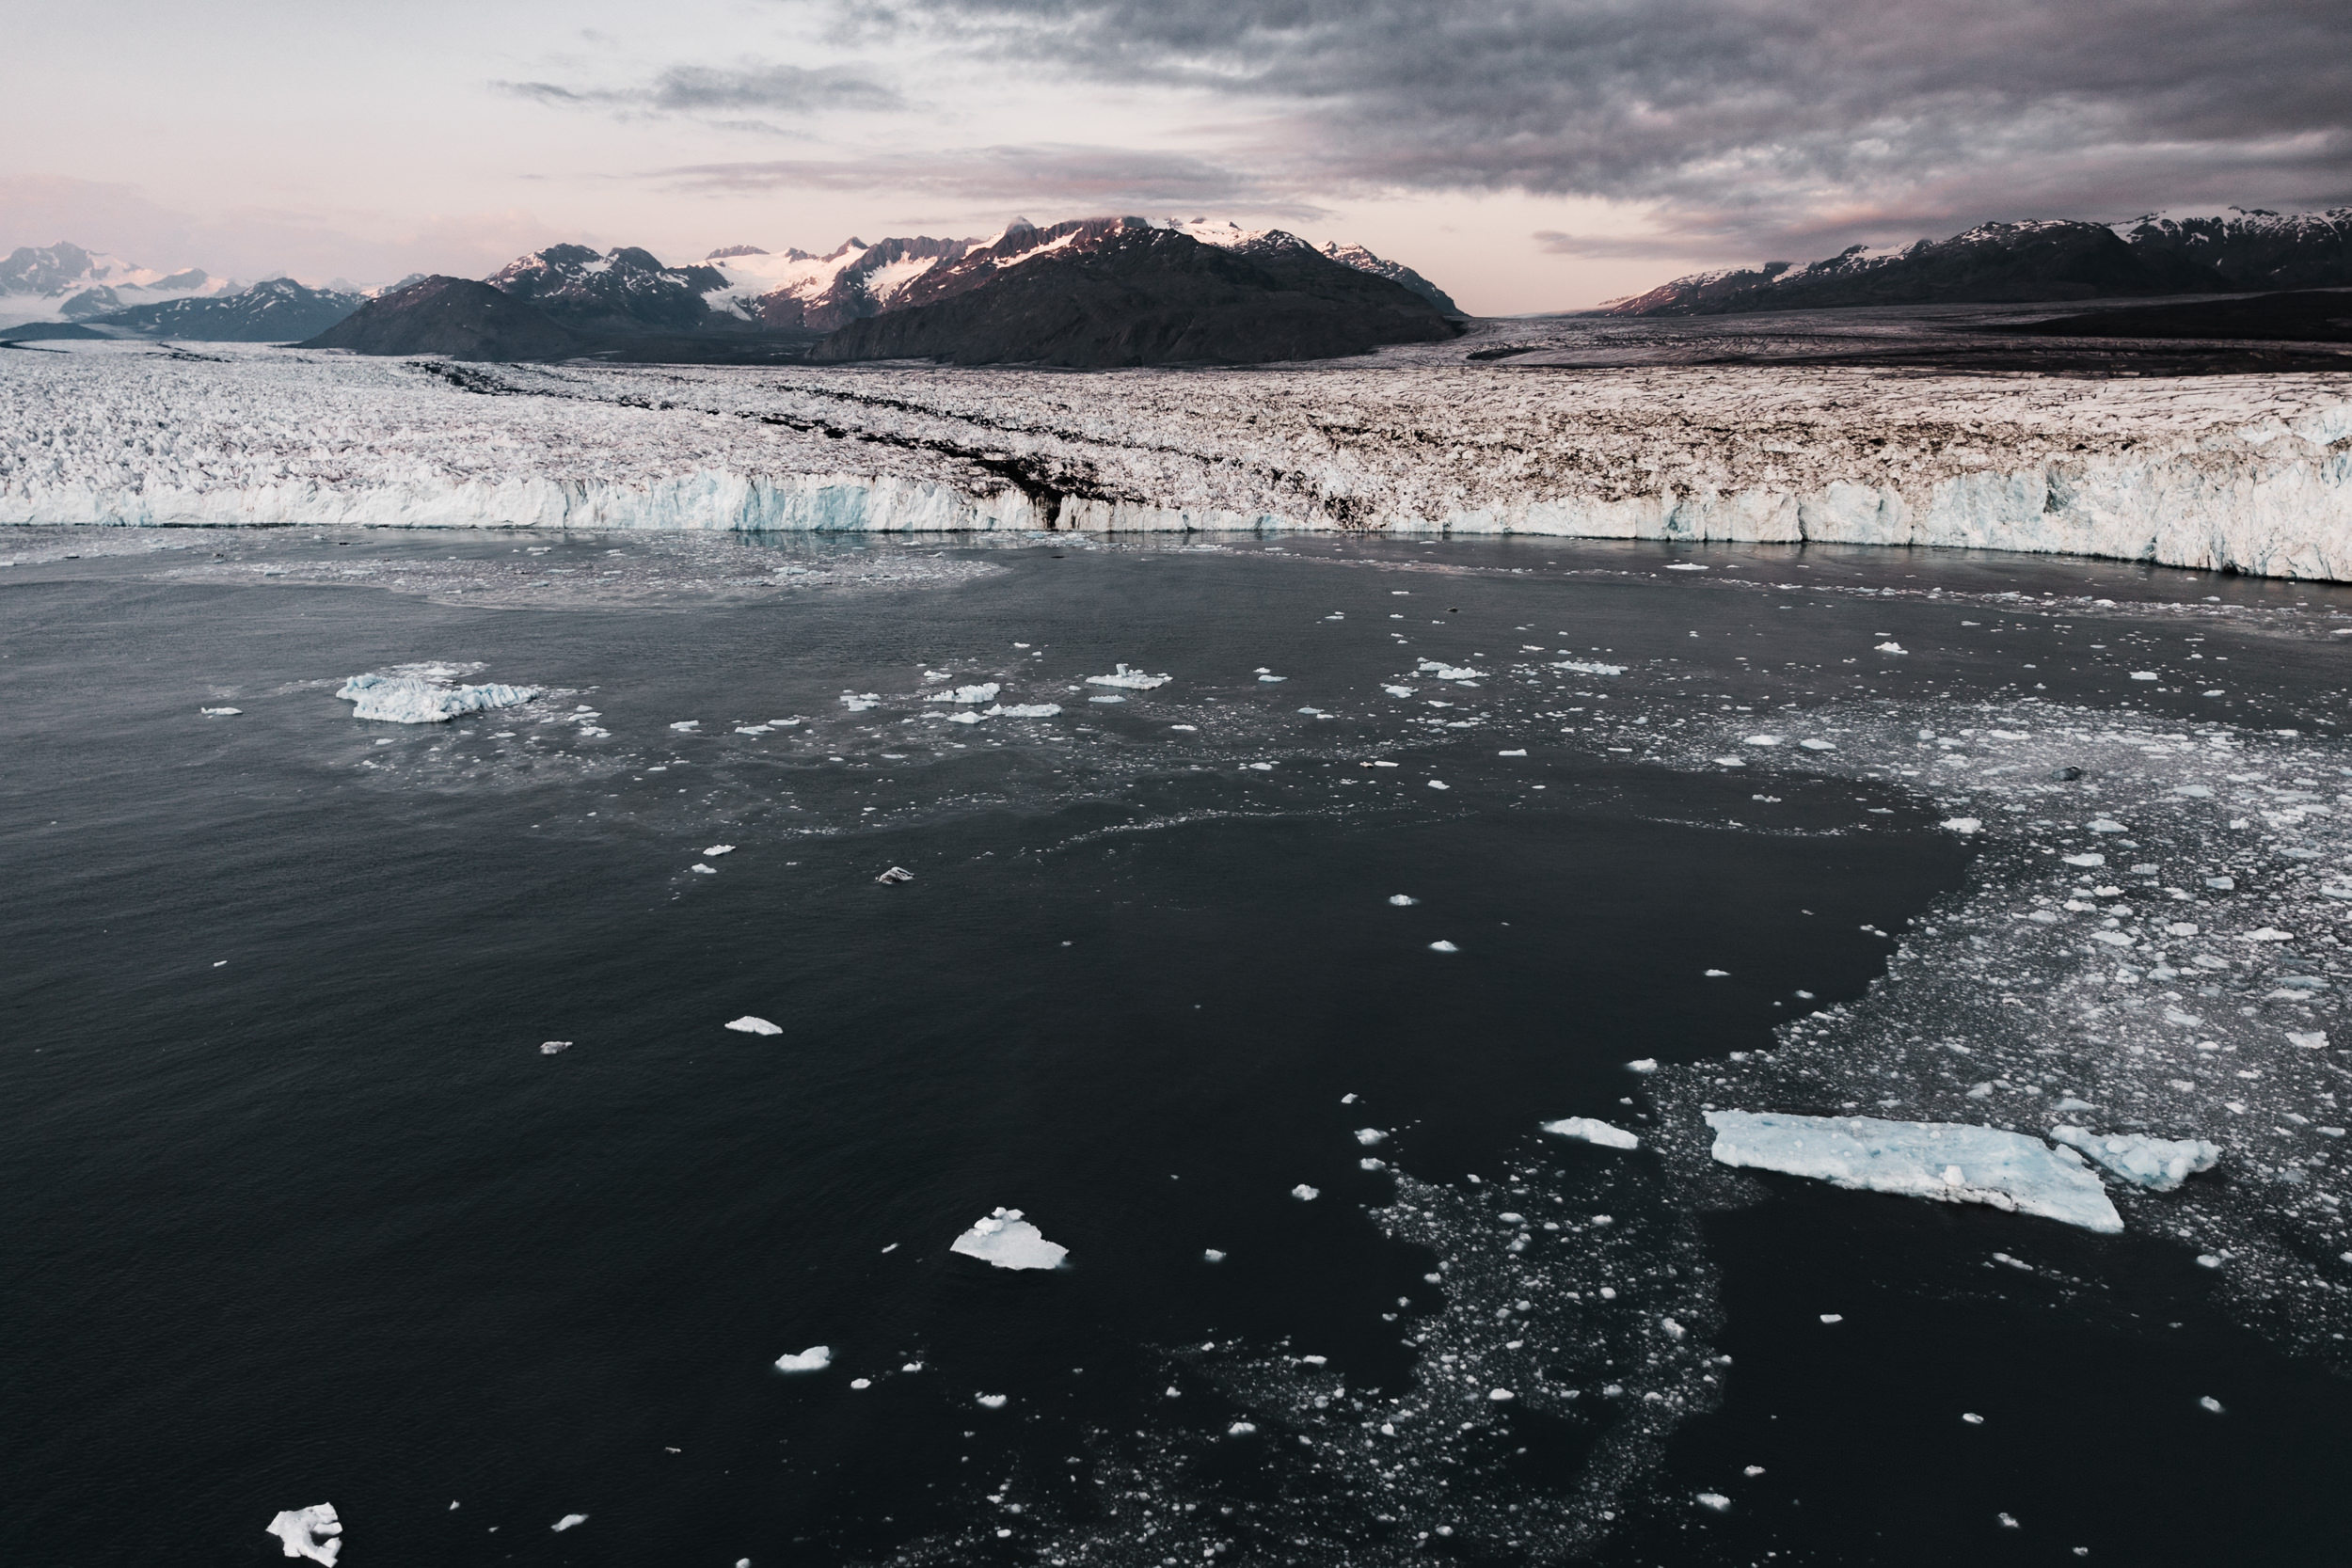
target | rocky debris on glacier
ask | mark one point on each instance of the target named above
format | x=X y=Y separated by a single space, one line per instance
x=314 y=1532
x=1003 y=1239
x=2245 y=472
x=1944 y=1162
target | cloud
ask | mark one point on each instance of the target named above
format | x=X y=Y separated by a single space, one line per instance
x=705 y=91
x=1602 y=248
x=1051 y=175
x=1746 y=124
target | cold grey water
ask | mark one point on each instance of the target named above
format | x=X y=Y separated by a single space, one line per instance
x=374 y=1136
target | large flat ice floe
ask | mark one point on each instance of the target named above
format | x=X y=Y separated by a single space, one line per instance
x=1006 y=1240
x=2250 y=473
x=1944 y=1160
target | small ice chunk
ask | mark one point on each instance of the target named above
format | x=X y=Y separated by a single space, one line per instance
x=1948 y=1161
x=982 y=693
x=1684 y=567
x=1269 y=679
x=1817 y=745
x=1006 y=1240
x=1027 y=710
x=688 y=725
x=1398 y=691
x=1370 y=1135
x=220 y=712
x=1133 y=680
x=2145 y=675
x=2084 y=860
x=313 y=1532
x=422 y=695
x=861 y=1382
x=992 y=1401
x=1645 y=1064
x=1588 y=1130
x=1500 y=1396
x=2158 y=1164
x=1439 y=784
x=1402 y=900
x=569 y=1521
x=2310 y=1039
x=2207 y=1401
x=1963 y=824
x=1715 y=1501
x=895 y=874
x=1306 y=1193
x=1443 y=946
x=1763 y=740
x=720 y=849
x=554 y=1048
x=814 y=1359
x=1520 y=752
x=1972 y=1417
x=1211 y=1254
x=965 y=715
x=858 y=702
x=1718 y=974
x=1890 y=648
x=1241 y=1429
x=747 y=1024
x=1580 y=667
x=2108 y=825
x=705 y=870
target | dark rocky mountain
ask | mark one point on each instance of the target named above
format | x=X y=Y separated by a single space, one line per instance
x=1117 y=291
x=455 y=316
x=626 y=289
x=1396 y=272
x=854 y=282
x=279 y=310
x=1992 y=264
x=2254 y=248
x=2307 y=316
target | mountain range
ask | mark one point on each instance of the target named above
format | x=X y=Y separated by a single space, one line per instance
x=1096 y=291
x=2241 y=250
x=64 y=282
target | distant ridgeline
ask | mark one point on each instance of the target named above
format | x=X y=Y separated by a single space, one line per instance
x=2242 y=250
x=1092 y=293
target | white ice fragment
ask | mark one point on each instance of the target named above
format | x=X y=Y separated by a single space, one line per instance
x=2207 y=1401
x=313 y=1532
x=1718 y=974
x=747 y=1024
x=1402 y=900
x=2108 y=825
x=2195 y=792
x=1134 y=680
x=1715 y=1501
x=1006 y=1240
x=858 y=702
x=2268 y=933
x=1818 y=745
x=2158 y=1164
x=1270 y=679
x=1398 y=691
x=554 y=1048
x=2145 y=675
x=1241 y=1429
x=992 y=1401
x=1027 y=710
x=1211 y=1254
x=1520 y=752
x=814 y=1359
x=1948 y=1161
x=1122 y=699
x=1588 y=1130
x=423 y=698
x=861 y=1382
x=984 y=693
x=1833 y=1318
x=1684 y=567
x=1370 y=1135
x=1500 y=1396
x=1439 y=784
x=1672 y=1329
x=688 y=725
x=2310 y=1039
x=1443 y=946
x=2084 y=860
x=720 y=849
x=1645 y=1064
x=220 y=712
x=1890 y=648
x=895 y=874
x=1972 y=1417
x=1306 y=1193
x=706 y=870
x=1581 y=667
x=1963 y=824
x=569 y=1521
x=1764 y=739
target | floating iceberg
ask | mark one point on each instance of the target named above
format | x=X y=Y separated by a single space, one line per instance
x=2158 y=1164
x=1026 y=710
x=986 y=693
x=1587 y=1130
x=1587 y=667
x=220 y=712
x=423 y=696
x=1006 y=1240
x=1963 y=824
x=1450 y=672
x=1134 y=680
x=814 y=1359
x=1948 y=1161
x=747 y=1024
x=313 y=1532
x=569 y=1521
x=895 y=874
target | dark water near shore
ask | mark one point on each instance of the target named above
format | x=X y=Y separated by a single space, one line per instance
x=296 y=1211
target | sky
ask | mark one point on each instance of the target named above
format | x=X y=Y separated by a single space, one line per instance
x=1526 y=155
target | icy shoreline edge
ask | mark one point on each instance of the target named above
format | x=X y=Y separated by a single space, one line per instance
x=2254 y=477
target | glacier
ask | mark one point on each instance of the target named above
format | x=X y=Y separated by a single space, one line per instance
x=1948 y=1161
x=2245 y=473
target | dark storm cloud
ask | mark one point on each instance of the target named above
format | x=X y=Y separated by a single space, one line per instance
x=1057 y=177
x=706 y=90
x=1791 y=120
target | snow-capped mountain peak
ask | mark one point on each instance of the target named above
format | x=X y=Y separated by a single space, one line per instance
x=65 y=282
